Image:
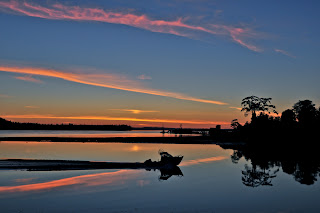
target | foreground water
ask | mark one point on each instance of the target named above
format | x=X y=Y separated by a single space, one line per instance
x=211 y=182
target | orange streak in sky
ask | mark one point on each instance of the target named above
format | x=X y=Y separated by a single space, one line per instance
x=107 y=178
x=238 y=108
x=31 y=107
x=93 y=79
x=106 y=118
x=134 y=111
x=203 y=160
x=59 y=11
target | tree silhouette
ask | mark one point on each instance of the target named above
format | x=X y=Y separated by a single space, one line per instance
x=288 y=118
x=235 y=124
x=306 y=113
x=255 y=104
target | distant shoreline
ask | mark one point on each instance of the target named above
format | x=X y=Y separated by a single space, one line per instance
x=166 y=140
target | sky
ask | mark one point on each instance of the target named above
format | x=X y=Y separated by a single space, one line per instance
x=154 y=63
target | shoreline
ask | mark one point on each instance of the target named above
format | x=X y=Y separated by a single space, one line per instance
x=165 y=140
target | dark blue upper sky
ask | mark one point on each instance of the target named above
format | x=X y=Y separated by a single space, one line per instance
x=164 y=56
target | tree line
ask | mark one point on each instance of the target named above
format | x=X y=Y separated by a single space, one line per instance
x=9 y=125
x=302 y=121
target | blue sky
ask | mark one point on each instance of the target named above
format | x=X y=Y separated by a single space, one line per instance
x=219 y=51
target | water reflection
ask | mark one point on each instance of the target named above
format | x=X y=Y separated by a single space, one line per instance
x=115 y=178
x=107 y=178
x=82 y=133
x=255 y=176
x=301 y=163
x=167 y=173
x=202 y=160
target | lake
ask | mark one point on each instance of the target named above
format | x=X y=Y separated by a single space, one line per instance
x=212 y=181
x=82 y=133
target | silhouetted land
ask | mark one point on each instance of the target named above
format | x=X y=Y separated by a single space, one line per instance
x=288 y=142
x=299 y=125
x=9 y=125
x=166 y=170
x=164 y=140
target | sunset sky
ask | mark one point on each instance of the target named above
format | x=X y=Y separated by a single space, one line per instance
x=152 y=62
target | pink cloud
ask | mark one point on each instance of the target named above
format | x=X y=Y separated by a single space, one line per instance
x=32 y=107
x=4 y=96
x=135 y=111
x=28 y=78
x=177 y=27
x=144 y=77
x=284 y=53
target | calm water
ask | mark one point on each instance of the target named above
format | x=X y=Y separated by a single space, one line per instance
x=84 y=134
x=211 y=182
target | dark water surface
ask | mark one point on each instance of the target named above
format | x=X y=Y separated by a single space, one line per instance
x=211 y=182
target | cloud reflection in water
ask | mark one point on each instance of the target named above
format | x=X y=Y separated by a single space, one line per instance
x=116 y=178
x=91 y=180
x=202 y=160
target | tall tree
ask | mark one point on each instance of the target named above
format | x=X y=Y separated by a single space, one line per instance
x=255 y=104
x=306 y=113
x=288 y=118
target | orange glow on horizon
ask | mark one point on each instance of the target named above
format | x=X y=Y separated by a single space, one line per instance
x=106 y=118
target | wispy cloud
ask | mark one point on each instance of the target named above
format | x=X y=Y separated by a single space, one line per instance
x=134 y=111
x=238 y=108
x=108 y=118
x=103 y=80
x=284 y=53
x=4 y=96
x=144 y=77
x=29 y=78
x=32 y=107
x=178 y=27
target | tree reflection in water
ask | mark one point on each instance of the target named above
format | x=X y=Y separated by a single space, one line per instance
x=254 y=177
x=302 y=163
